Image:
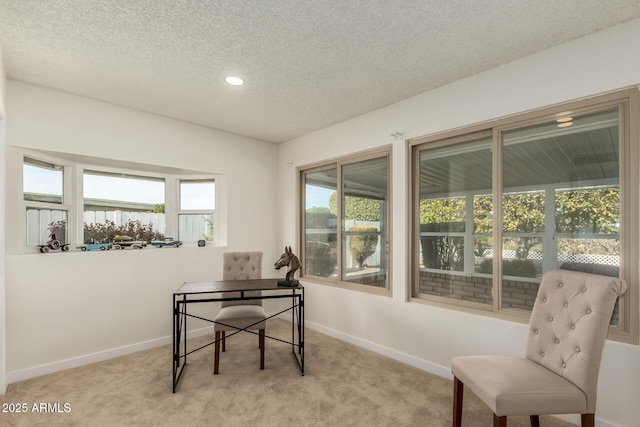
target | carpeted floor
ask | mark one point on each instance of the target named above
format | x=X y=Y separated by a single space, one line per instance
x=343 y=385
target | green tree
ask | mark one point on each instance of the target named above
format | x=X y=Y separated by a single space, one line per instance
x=438 y=211
x=318 y=217
x=483 y=214
x=588 y=211
x=357 y=208
x=443 y=215
x=523 y=213
x=333 y=203
x=363 y=244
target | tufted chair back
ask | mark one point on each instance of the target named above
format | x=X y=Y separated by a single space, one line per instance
x=242 y=266
x=569 y=325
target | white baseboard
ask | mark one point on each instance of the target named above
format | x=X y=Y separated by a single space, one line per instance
x=36 y=371
x=575 y=420
x=415 y=362
x=441 y=371
x=424 y=365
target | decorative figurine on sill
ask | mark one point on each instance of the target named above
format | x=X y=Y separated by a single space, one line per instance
x=288 y=258
x=92 y=245
x=121 y=242
x=167 y=241
x=53 y=244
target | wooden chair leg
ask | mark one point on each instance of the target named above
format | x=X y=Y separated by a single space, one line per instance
x=224 y=346
x=216 y=353
x=261 y=345
x=588 y=420
x=499 y=421
x=458 y=391
x=535 y=420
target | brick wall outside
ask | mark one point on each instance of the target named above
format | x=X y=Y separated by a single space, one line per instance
x=377 y=280
x=516 y=294
x=519 y=295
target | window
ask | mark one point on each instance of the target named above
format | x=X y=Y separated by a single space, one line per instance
x=44 y=198
x=455 y=219
x=321 y=225
x=495 y=208
x=197 y=207
x=345 y=222
x=119 y=204
x=102 y=200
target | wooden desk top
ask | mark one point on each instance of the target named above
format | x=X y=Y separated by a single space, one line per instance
x=231 y=286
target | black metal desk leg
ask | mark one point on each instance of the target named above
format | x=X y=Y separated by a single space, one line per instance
x=173 y=364
x=176 y=341
x=301 y=334
x=179 y=325
x=184 y=326
x=293 y=320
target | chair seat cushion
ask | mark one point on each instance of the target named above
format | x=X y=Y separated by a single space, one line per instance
x=240 y=317
x=514 y=386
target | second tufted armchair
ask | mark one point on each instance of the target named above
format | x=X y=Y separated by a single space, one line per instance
x=559 y=374
x=240 y=315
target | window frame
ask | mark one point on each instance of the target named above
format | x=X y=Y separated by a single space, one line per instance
x=74 y=167
x=180 y=211
x=66 y=204
x=114 y=172
x=338 y=163
x=628 y=103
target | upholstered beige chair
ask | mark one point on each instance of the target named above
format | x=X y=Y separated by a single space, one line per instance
x=238 y=315
x=559 y=373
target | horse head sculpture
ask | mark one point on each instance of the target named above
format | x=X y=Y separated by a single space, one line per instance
x=288 y=258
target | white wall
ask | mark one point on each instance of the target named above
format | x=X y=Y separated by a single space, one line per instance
x=65 y=309
x=3 y=329
x=602 y=62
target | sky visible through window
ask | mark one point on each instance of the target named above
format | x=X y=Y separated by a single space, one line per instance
x=197 y=195
x=318 y=196
x=123 y=189
x=42 y=181
x=194 y=196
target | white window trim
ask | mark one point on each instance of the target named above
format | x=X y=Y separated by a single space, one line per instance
x=73 y=199
x=79 y=206
x=214 y=211
x=67 y=198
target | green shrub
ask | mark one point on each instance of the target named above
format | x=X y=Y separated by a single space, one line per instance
x=59 y=229
x=515 y=267
x=362 y=246
x=443 y=252
x=105 y=232
x=319 y=259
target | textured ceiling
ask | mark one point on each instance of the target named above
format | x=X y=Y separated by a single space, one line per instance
x=307 y=64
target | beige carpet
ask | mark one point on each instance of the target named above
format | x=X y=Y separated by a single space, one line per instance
x=343 y=385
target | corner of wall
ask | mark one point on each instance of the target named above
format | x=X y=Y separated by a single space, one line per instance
x=3 y=330
x=3 y=87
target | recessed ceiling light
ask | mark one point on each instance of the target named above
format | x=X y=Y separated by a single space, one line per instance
x=564 y=119
x=234 y=81
x=565 y=124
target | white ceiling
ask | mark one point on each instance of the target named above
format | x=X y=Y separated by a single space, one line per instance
x=307 y=63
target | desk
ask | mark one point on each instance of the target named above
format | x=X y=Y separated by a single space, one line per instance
x=204 y=292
